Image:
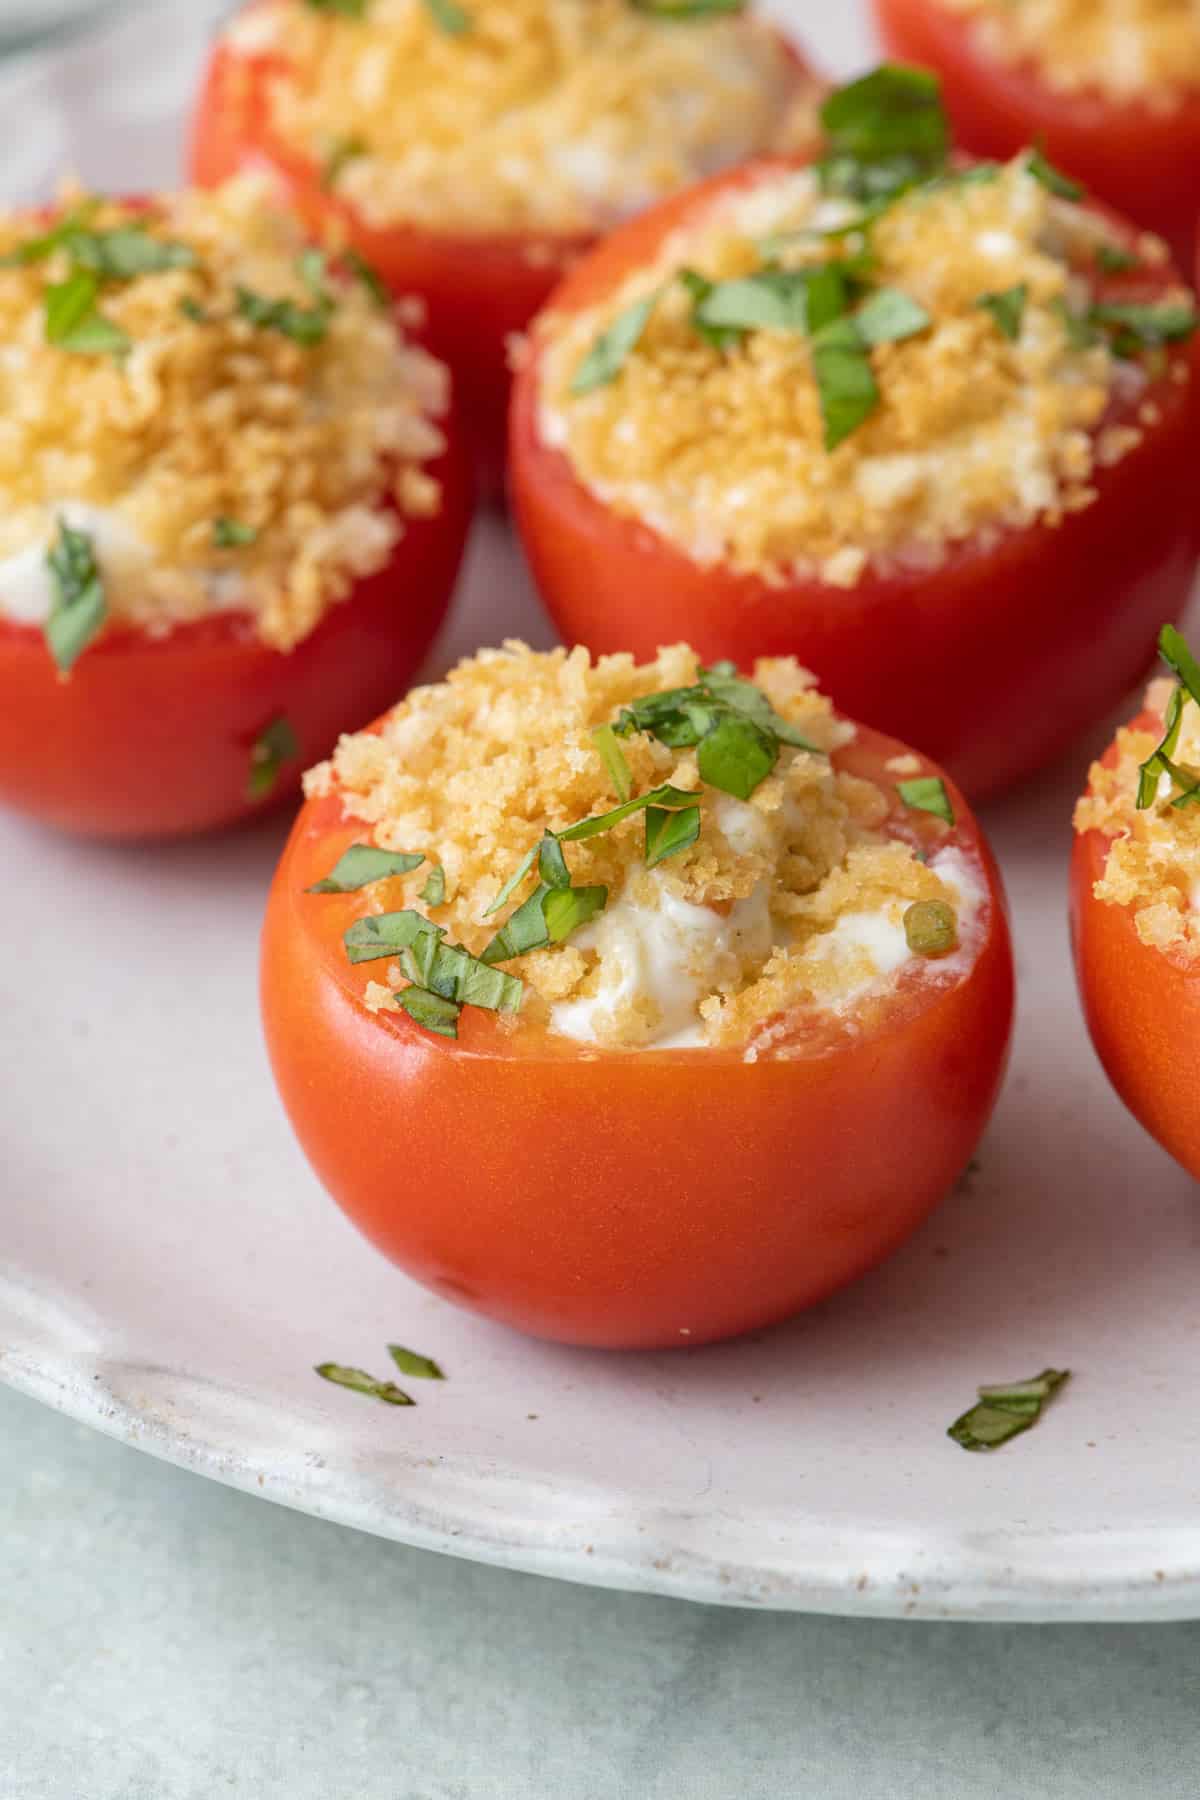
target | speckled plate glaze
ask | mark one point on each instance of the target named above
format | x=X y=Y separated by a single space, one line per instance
x=170 y=1270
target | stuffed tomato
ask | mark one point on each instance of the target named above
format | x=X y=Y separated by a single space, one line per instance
x=1135 y=907
x=234 y=513
x=1109 y=88
x=634 y=1004
x=915 y=422
x=472 y=151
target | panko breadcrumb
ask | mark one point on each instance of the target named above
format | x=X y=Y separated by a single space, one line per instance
x=721 y=449
x=1153 y=862
x=550 y=115
x=316 y=451
x=473 y=771
x=1143 y=50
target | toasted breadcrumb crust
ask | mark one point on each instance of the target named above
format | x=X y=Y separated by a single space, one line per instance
x=317 y=449
x=555 y=115
x=1153 y=862
x=722 y=450
x=474 y=770
x=1144 y=50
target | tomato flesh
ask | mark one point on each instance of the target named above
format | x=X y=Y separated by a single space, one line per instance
x=1140 y=158
x=152 y=736
x=627 y=1199
x=991 y=662
x=1142 y=1006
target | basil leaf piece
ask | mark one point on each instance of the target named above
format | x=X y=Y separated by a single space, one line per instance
x=421 y=1368
x=700 y=287
x=1053 y=178
x=452 y=973
x=431 y=1011
x=607 y=356
x=552 y=864
x=1159 y=762
x=845 y=380
x=514 y=881
x=889 y=316
x=359 y=1382
x=74 y=321
x=736 y=756
x=39 y=249
x=668 y=833
x=613 y=758
x=893 y=110
x=362 y=864
x=688 y=9
x=370 y=278
x=78 y=610
x=567 y=909
x=526 y=930
x=382 y=935
x=1007 y=309
x=672 y=798
x=1145 y=327
x=1112 y=260
x=927 y=793
x=776 y=300
x=349 y=9
x=1081 y=333
x=733 y=690
x=231 y=534
x=449 y=17
x=1003 y=1412
x=305 y=325
x=126 y=252
x=276 y=745
x=434 y=891
x=192 y=309
x=1173 y=648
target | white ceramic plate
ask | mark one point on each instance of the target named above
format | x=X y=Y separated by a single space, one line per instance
x=170 y=1270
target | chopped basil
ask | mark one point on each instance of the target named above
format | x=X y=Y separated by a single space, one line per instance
x=1003 y=1412
x=671 y=798
x=1081 y=333
x=613 y=758
x=736 y=755
x=845 y=381
x=231 y=534
x=513 y=883
x=434 y=891
x=430 y=1011
x=1053 y=178
x=1143 y=327
x=1007 y=309
x=526 y=930
x=75 y=322
x=192 y=309
x=342 y=151
x=275 y=746
x=688 y=9
x=889 y=316
x=668 y=833
x=369 y=276
x=1160 y=762
x=552 y=864
x=78 y=609
x=306 y=325
x=775 y=300
x=930 y=928
x=884 y=133
x=700 y=287
x=1114 y=261
x=357 y=1380
x=566 y=909
x=421 y=1368
x=362 y=864
x=1173 y=649
x=38 y=249
x=607 y=356
x=449 y=17
x=349 y=9
x=380 y=935
x=126 y=252
x=686 y=717
x=927 y=794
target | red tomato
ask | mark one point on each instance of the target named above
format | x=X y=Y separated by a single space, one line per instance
x=479 y=290
x=1140 y=158
x=153 y=736
x=639 y=1198
x=962 y=660
x=1142 y=1004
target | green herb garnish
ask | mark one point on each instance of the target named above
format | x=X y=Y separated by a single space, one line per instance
x=434 y=891
x=78 y=609
x=75 y=322
x=1003 y=1412
x=377 y=935
x=1007 y=309
x=1114 y=261
x=421 y=1368
x=449 y=17
x=430 y=1011
x=231 y=534
x=275 y=746
x=362 y=864
x=1143 y=327
x=884 y=133
x=1053 y=178
x=349 y=9
x=359 y=1382
x=1173 y=649
x=927 y=794
x=607 y=356
x=688 y=9
x=369 y=276
x=846 y=384
x=889 y=316
x=306 y=325
x=126 y=252
x=772 y=300
x=613 y=758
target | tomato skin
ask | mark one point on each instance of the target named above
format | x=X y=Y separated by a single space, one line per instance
x=966 y=660
x=623 y=1200
x=1142 y=1007
x=1140 y=159
x=479 y=290
x=151 y=737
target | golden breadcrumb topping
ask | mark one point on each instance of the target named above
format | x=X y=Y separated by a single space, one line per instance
x=556 y=115
x=721 y=448
x=1153 y=862
x=305 y=436
x=1146 y=50
x=794 y=898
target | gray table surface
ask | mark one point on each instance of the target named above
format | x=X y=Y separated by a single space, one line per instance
x=162 y=1638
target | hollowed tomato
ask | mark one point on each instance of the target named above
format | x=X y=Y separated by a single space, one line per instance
x=633 y=1198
